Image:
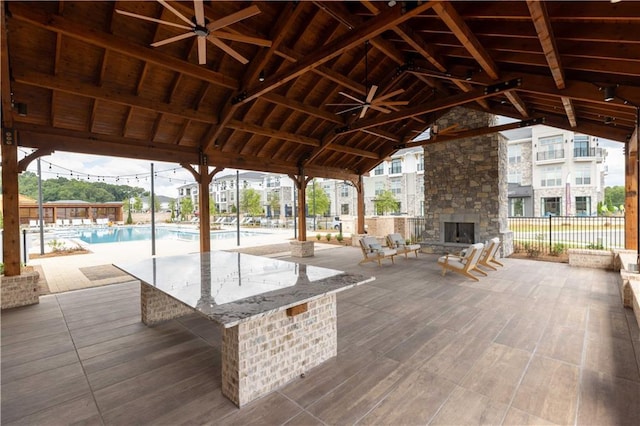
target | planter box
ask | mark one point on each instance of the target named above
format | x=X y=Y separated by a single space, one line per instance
x=20 y=290
x=302 y=248
x=585 y=258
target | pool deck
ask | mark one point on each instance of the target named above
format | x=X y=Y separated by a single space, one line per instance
x=63 y=272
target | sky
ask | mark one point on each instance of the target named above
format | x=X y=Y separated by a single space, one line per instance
x=169 y=176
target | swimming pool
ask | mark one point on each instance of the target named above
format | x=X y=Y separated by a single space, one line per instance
x=143 y=233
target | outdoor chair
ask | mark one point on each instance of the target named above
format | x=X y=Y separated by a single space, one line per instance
x=372 y=250
x=87 y=222
x=487 y=258
x=76 y=222
x=465 y=264
x=395 y=241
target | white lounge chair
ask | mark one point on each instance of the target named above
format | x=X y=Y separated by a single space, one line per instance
x=59 y=222
x=397 y=242
x=487 y=258
x=465 y=264
x=87 y=222
x=76 y=222
x=372 y=250
x=66 y=222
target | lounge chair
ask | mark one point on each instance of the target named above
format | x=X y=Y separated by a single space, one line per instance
x=487 y=258
x=465 y=264
x=76 y=222
x=372 y=250
x=66 y=222
x=59 y=222
x=87 y=222
x=395 y=241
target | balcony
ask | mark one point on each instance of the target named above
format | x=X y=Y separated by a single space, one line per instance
x=556 y=154
x=587 y=154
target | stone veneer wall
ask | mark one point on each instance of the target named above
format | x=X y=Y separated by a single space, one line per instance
x=466 y=180
x=156 y=306
x=260 y=355
x=20 y=290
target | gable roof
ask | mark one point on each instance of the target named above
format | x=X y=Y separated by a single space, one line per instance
x=91 y=82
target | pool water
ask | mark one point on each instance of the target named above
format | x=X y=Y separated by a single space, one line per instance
x=143 y=233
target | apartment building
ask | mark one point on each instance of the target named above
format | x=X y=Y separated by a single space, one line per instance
x=554 y=172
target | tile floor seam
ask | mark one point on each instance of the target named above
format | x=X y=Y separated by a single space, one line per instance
x=303 y=410
x=583 y=358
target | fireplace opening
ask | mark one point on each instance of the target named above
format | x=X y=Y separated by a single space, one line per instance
x=459 y=232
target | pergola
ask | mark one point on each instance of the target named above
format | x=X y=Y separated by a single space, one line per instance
x=260 y=93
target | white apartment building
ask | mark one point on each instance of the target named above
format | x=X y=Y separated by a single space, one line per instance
x=554 y=172
x=403 y=174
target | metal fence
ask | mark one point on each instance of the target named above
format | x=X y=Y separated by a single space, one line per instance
x=416 y=228
x=554 y=234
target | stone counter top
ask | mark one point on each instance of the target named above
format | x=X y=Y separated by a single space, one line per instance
x=231 y=288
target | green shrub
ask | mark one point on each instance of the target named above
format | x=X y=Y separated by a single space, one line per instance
x=318 y=237
x=339 y=237
x=328 y=237
x=531 y=249
x=1 y=268
x=557 y=249
x=595 y=246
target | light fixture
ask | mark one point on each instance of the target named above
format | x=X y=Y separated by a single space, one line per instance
x=391 y=3
x=469 y=75
x=608 y=120
x=261 y=76
x=609 y=93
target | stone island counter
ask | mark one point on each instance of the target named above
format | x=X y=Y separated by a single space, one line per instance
x=279 y=317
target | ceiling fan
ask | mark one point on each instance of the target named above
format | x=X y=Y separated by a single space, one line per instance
x=381 y=104
x=199 y=26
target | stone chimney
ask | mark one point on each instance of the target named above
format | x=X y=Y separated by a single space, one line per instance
x=465 y=183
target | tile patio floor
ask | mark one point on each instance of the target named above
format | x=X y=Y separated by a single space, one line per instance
x=533 y=343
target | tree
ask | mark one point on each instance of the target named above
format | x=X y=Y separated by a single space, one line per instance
x=274 y=203
x=386 y=202
x=615 y=194
x=250 y=202
x=186 y=207
x=212 y=206
x=172 y=207
x=156 y=204
x=137 y=204
x=321 y=203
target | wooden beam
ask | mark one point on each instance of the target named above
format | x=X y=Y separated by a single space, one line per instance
x=416 y=42
x=461 y=30
x=542 y=23
x=5 y=71
x=272 y=133
x=86 y=34
x=571 y=113
x=381 y=134
x=10 y=204
x=75 y=87
x=354 y=151
x=24 y=163
x=518 y=103
x=301 y=107
x=370 y=29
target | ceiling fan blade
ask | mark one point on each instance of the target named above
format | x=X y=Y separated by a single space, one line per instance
x=372 y=93
x=202 y=50
x=353 y=98
x=364 y=110
x=198 y=8
x=175 y=12
x=233 y=18
x=390 y=95
x=157 y=21
x=172 y=39
x=243 y=38
x=349 y=109
x=381 y=109
x=238 y=57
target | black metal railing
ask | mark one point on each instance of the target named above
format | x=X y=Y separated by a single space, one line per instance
x=550 y=155
x=555 y=234
x=416 y=228
x=587 y=152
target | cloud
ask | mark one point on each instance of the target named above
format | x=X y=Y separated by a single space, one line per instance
x=614 y=162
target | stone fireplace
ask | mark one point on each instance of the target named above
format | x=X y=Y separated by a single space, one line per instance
x=466 y=187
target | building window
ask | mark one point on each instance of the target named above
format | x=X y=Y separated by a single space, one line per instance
x=583 y=176
x=344 y=209
x=551 y=176
x=515 y=154
x=344 y=190
x=396 y=166
x=583 y=206
x=581 y=146
x=551 y=206
x=420 y=165
x=514 y=177
x=516 y=207
x=379 y=170
x=379 y=188
x=550 y=148
x=396 y=187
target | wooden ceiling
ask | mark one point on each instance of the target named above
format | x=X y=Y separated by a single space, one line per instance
x=92 y=83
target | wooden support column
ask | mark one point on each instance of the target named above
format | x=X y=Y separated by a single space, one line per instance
x=203 y=177
x=10 y=207
x=631 y=193
x=360 y=187
x=301 y=186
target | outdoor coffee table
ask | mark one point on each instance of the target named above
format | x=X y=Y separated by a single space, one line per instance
x=278 y=318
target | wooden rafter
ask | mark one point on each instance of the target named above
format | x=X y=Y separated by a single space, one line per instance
x=272 y=133
x=518 y=103
x=542 y=24
x=568 y=108
x=461 y=30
